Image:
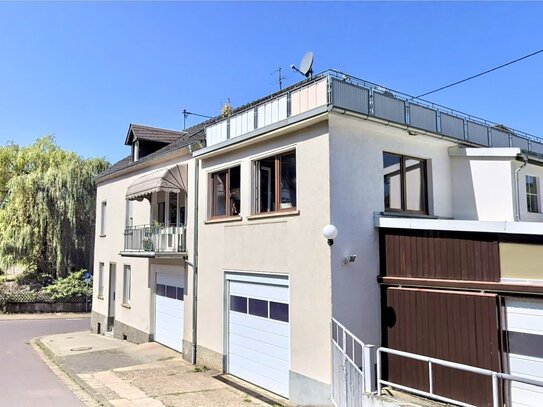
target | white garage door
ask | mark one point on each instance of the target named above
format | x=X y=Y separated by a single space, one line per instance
x=169 y=310
x=525 y=341
x=258 y=332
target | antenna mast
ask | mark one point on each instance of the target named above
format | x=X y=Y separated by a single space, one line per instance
x=186 y=114
x=280 y=77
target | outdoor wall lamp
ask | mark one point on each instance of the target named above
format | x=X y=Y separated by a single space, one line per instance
x=330 y=233
x=349 y=259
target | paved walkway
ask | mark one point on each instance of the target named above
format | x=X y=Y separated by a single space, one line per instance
x=117 y=373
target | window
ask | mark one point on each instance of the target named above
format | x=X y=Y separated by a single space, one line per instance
x=225 y=193
x=258 y=308
x=532 y=193
x=103 y=218
x=101 y=280
x=173 y=208
x=129 y=221
x=276 y=183
x=238 y=304
x=404 y=183
x=126 y=284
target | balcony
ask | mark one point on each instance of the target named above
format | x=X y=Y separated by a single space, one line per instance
x=154 y=241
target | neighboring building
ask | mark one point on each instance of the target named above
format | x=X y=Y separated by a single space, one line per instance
x=441 y=210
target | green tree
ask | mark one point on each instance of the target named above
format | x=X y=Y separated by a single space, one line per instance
x=47 y=207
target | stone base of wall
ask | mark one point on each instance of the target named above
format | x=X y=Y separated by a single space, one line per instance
x=204 y=356
x=130 y=334
x=305 y=391
x=98 y=323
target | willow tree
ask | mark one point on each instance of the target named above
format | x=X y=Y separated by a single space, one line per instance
x=47 y=207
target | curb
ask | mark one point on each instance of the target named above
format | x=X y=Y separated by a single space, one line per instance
x=75 y=384
x=45 y=316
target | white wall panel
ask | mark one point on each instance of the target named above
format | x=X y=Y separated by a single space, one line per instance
x=272 y=112
x=242 y=123
x=217 y=133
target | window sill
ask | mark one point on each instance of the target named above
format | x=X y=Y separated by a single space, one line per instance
x=402 y=214
x=100 y=297
x=274 y=214
x=127 y=306
x=223 y=220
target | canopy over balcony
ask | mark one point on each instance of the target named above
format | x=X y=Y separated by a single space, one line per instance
x=169 y=179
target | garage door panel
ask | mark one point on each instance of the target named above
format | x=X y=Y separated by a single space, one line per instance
x=281 y=352
x=259 y=347
x=258 y=369
x=252 y=323
x=528 y=323
x=526 y=366
x=529 y=397
x=265 y=382
x=169 y=313
x=270 y=292
x=272 y=361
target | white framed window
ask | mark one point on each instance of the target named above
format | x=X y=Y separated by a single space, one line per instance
x=103 y=210
x=127 y=277
x=532 y=193
x=101 y=280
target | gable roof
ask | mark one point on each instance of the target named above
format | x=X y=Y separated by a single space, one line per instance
x=195 y=134
x=140 y=132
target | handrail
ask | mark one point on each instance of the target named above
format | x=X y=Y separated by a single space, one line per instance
x=460 y=366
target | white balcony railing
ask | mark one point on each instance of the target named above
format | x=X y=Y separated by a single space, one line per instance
x=155 y=238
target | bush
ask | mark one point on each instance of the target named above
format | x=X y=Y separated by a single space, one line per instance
x=71 y=286
x=33 y=279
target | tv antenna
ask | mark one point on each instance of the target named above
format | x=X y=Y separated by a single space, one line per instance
x=186 y=114
x=280 y=77
x=306 y=65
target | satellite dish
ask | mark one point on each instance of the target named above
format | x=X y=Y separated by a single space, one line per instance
x=306 y=65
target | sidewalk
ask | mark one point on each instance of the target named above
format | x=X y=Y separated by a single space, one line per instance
x=56 y=315
x=117 y=373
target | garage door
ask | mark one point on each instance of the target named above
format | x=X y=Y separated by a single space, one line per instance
x=169 y=310
x=525 y=341
x=258 y=332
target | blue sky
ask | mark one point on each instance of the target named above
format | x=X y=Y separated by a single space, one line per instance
x=85 y=71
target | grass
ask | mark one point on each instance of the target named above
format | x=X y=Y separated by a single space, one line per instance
x=200 y=369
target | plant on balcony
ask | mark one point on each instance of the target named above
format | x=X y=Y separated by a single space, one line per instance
x=148 y=245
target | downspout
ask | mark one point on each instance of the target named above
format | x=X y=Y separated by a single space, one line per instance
x=524 y=158
x=195 y=263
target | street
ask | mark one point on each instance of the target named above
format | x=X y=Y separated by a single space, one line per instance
x=25 y=380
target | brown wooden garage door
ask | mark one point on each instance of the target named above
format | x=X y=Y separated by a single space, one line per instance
x=456 y=326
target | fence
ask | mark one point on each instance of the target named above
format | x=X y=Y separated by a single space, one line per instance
x=496 y=376
x=352 y=367
x=36 y=301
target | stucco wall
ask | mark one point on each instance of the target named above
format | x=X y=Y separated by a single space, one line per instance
x=357 y=191
x=107 y=250
x=286 y=244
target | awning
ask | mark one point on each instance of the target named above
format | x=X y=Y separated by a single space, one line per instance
x=169 y=179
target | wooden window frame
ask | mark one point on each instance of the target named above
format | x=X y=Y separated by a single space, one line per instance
x=403 y=185
x=277 y=185
x=228 y=209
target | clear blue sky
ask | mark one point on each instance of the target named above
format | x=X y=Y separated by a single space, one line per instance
x=85 y=71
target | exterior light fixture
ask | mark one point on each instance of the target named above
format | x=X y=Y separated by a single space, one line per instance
x=349 y=259
x=330 y=233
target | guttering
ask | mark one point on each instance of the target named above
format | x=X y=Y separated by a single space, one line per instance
x=524 y=158
x=194 y=264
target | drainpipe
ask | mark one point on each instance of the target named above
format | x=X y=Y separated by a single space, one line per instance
x=524 y=158
x=194 y=265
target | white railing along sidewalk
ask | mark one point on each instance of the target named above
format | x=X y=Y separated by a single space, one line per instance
x=434 y=361
x=352 y=367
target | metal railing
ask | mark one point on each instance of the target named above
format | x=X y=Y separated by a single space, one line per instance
x=352 y=367
x=496 y=376
x=154 y=238
x=351 y=93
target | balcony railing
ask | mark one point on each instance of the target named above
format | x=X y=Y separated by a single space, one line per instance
x=153 y=239
x=332 y=88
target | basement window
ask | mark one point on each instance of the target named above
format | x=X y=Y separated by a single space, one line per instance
x=405 y=184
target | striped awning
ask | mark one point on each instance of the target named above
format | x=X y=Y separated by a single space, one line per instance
x=169 y=179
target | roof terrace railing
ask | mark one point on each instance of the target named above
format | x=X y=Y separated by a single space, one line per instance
x=335 y=89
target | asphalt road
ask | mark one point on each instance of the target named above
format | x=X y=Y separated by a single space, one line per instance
x=25 y=380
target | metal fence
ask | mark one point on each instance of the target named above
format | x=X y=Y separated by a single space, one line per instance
x=38 y=301
x=496 y=376
x=352 y=368
x=152 y=238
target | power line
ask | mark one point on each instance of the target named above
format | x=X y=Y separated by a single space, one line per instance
x=479 y=74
